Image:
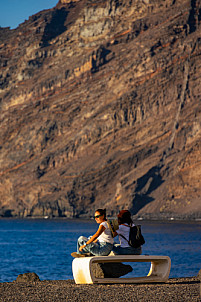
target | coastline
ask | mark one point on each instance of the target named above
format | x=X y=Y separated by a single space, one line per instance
x=169 y=219
x=175 y=289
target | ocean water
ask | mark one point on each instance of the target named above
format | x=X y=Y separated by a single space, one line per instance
x=44 y=246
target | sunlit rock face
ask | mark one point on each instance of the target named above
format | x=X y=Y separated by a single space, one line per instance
x=100 y=107
x=67 y=1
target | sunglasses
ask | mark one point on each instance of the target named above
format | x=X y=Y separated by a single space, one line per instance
x=97 y=216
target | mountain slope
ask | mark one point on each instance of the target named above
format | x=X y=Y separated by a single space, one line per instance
x=100 y=107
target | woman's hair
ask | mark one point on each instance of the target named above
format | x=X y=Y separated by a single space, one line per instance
x=124 y=216
x=102 y=212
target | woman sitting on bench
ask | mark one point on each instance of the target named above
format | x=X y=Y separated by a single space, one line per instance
x=125 y=221
x=100 y=244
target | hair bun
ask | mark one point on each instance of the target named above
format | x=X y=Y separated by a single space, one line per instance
x=124 y=213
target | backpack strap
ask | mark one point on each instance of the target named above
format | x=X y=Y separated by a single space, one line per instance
x=124 y=238
x=128 y=226
x=123 y=235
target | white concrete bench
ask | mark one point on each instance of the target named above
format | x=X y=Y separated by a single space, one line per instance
x=159 y=269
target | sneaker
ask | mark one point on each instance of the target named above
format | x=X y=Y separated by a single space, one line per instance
x=77 y=255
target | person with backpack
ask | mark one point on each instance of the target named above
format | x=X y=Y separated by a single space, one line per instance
x=124 y=232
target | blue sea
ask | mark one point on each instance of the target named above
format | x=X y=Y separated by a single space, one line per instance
x=44 y=246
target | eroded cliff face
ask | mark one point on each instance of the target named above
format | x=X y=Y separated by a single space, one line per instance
x=100 y=107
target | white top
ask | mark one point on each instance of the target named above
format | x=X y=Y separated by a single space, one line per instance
x=124 y=230
x=106 y=235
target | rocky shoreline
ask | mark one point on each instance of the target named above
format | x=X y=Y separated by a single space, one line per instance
x=176 y=289
x=148 y=217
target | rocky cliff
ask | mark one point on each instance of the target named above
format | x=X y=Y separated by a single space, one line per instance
x=100 y=107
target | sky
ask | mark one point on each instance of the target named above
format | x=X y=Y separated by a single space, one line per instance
x=14 y=12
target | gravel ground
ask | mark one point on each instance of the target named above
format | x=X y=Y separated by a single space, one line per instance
x=181 y=289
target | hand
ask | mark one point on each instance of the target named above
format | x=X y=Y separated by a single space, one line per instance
x=81 y=247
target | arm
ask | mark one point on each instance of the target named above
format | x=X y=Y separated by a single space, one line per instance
x=115 y=234
x=101 y=229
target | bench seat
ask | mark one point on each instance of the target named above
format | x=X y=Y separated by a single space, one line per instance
x=159 y=269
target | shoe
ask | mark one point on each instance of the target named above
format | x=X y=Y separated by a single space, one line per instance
x=76 y=255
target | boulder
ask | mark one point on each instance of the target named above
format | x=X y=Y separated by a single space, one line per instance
x=199 y=275
x=110 y=270
x=27 y=277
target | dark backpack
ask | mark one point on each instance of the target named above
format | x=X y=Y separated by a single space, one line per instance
x=135 y=236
